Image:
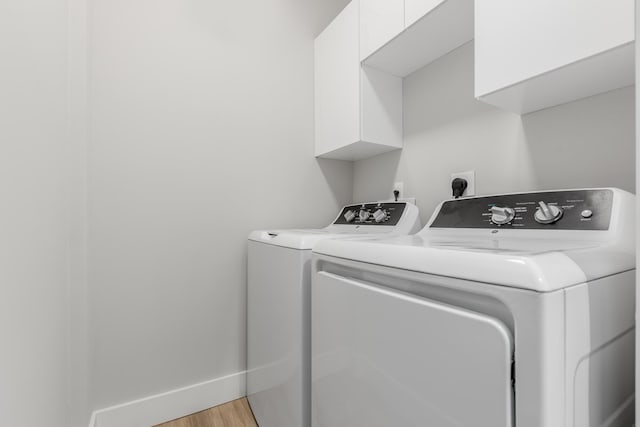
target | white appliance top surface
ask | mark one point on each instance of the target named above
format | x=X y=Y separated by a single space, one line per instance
x=535 y=264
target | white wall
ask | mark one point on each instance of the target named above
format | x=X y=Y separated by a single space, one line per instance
x=77 y=117
x=581 y=144
x=38 y=191
x=637 y=118
x=201 y=130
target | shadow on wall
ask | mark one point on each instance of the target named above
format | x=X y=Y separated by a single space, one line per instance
x=373 y=178
x=441 y=95
x=588 y=143
x=339 y=177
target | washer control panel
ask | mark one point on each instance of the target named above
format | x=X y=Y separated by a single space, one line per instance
x=561 y=210
x=372 y=214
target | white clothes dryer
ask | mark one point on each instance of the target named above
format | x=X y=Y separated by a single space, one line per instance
x=507 y=310
x=278 y=329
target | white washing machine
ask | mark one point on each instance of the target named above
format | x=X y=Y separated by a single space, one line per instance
x=508 y=310
x=279 y=280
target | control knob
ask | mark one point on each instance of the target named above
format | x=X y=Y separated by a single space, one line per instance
x=547 y=214
x=364 y=215
x=349 y=215
x=379 y=215
x=502 y=215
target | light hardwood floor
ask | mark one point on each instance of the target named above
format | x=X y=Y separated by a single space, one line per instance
x=232 y=414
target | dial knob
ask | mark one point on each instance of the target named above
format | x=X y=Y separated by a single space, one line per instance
x=364 y=215
x=379 y=215
x=502 y=215
x=547 y=214
x=349 y=215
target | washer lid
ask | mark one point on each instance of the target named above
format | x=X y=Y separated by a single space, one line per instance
x=373 y=219
x=535 y=264
x=307 y=239
x=294 y=239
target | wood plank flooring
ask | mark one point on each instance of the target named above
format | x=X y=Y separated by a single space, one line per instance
x=233 y=414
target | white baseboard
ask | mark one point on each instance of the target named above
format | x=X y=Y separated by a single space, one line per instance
x=173 y=404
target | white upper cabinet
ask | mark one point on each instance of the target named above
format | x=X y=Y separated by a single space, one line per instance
x=337 y=82
x=432 y=28
x=380 y=21
x=358 y=110
x=532 y=54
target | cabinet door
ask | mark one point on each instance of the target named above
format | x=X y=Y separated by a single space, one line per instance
x=380 y=21
x=516 y=40
x=416 y=9
x=337 y=82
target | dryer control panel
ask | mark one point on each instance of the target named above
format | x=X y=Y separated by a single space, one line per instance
x=372 y=214
x=561 y=210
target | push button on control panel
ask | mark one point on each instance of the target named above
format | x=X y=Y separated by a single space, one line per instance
x=587 y=213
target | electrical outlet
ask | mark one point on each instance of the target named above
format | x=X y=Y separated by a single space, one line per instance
x=398 y=186
x=470 y=176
